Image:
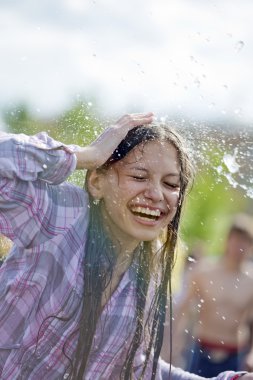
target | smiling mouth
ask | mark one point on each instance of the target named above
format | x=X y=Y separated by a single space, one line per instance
x=146 y=213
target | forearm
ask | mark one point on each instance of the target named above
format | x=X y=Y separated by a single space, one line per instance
x=87 y=158
x=27 y=166
x=100 y=150
x=29 y=158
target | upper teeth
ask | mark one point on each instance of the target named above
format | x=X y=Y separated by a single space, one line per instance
x=147 y=211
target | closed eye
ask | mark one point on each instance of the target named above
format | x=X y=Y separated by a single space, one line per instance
x=138 y=178
x=172 y=185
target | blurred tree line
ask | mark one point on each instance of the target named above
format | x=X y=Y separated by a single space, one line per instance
x=210 y=202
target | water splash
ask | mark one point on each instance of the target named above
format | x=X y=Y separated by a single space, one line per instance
x=249 y=192
x=230 y=162
x=227 y=153
x=231 y=180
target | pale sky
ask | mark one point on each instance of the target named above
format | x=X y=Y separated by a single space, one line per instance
x=192 y=58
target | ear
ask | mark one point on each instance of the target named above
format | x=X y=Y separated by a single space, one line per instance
x=95 y=182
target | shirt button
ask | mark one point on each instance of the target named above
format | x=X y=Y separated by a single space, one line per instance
x=66 y=375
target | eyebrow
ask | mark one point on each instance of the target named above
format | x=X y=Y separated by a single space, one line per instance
x=145 y=170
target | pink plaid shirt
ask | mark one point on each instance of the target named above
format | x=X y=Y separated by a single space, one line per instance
x=41 y=281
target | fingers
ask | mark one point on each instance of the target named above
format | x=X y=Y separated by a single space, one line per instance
x=133 y=120
x=108 y=141
x=146 y=114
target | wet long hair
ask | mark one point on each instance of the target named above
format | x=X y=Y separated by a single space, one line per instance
x=100 y=260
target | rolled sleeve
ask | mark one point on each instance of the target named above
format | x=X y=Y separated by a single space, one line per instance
x=35 y=157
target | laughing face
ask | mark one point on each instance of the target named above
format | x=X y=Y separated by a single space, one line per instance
x=139 y=193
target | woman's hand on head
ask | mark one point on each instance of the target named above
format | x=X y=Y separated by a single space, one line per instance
x=96 y=154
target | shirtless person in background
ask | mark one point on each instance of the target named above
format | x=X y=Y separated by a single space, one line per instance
x=222 y=295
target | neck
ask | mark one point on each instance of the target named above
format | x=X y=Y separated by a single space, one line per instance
x=125 y=248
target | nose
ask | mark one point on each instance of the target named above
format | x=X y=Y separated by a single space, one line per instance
x=154 y=192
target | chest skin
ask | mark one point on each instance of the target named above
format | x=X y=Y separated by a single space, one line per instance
x=224 y=305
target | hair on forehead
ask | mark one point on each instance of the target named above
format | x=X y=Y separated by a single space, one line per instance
x=142 y=134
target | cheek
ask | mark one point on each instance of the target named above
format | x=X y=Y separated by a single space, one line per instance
x=115 y=201
x=173 y=199
x=172 y=202
x=130 y=187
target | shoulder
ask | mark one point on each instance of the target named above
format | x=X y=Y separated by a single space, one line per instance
x=70 y=193
x=67 y=201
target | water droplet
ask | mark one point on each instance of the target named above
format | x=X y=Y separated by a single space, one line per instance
x=230 y=162
x=197 y=82
x=239 y=46
x=219 y=169
x=237 y=111
x=250 y=192
x=191 y=259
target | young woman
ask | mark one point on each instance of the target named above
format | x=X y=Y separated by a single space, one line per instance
x=84 y=289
